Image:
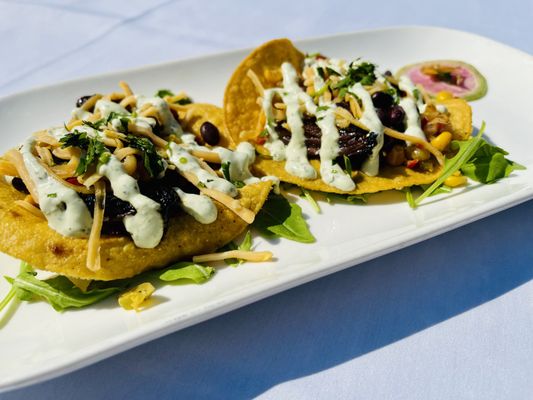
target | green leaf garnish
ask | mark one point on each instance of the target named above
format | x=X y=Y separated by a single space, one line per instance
x=465 y=150
x=225 y=170
x=307 y=195
x=164 y=92
x=363 y=73
x=92 y=148
x=153 y=163
x=184 y=101
x=488 y=164
x=246 y=245
x=347 y=165
x=279 y=218
x=187 y=270
x=59 y=291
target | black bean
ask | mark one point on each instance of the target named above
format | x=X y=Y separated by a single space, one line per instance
x=382 y=100
x=210 y=133
x=396 y=116
x=81 y=101
x=18 y=184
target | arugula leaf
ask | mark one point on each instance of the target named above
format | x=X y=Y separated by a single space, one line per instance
x=279 y=218
x=152 y=162
x=187 y=270
x=349 y=198
x=347 y=164
x=246 y=245
x=488 y=164
x=60 y=292
x=164 y=92
x=465 y=150
x=307 y=195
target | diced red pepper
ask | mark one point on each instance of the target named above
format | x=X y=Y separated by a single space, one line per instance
x=73 y=181
x=412 y=163
x=260 y=140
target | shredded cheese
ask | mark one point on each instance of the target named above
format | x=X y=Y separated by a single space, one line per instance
x=234 y=205
x=257 y=256
x=93 y=245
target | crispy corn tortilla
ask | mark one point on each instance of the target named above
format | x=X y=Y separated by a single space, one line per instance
x=244 y=118
x=192 y=116
x=29 y=238
x=241 y=111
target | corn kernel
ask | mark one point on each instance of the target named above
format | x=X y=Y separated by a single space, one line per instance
x=135 y=298
x=444 y=95
x=442 y=141
x=454 y=181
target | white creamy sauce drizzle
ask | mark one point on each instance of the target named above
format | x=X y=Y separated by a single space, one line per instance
x=331 y=173
x=80 y=113
x=199 y=206
x=295 y=153
x=57 y=132
x=407 y=86
x=371 y=120
x=186 y=162
x=65 y=211
x=169 y=124
x=106 y=107
x=146 y=226
x=413 y=106
x=412 y=118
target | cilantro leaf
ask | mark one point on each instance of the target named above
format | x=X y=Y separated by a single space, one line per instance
x=152 y=162
x=164 y=92
x=92 y=148
x=363 y=73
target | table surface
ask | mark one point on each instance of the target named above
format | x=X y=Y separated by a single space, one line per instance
x=395 y=327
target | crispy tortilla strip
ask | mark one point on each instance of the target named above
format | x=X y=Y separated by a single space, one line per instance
x=241 y=111
x=29 y=239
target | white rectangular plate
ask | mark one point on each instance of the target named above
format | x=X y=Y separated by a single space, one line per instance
x=37 y=343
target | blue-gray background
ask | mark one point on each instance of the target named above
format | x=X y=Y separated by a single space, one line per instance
x=451 y=317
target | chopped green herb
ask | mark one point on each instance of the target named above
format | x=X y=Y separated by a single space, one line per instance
x=183 y=160
x=321 y=91
x=322 y=108
x=363 y=73
x=331 y=71
x=239 y=184
x=164 y=92
x=52 y=195
x=92 y=148
x=226 y=171
x=184 y=101
x=153 y=163
x=201 y=185
x=264 y=133
x=95 y=125
x=321 y=72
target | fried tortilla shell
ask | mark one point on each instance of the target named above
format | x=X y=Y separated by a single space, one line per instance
x=29 y=238
x=244 y=120
x=192 y=116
